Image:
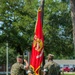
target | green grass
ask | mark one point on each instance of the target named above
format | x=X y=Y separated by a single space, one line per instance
x=69 y=74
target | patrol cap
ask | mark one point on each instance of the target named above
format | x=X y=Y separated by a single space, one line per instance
x=50 y=55
x=20 y=56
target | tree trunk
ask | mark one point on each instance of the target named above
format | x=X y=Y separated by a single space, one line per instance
x=73 y=21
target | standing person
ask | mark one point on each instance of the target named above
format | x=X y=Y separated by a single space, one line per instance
x=51 y=67
x=18 y=68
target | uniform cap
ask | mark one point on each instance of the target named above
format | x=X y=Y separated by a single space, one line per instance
x=50 y=55
x=20 y=56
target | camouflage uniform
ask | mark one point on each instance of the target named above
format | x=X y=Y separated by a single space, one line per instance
x=17 y=69
x=51 y=67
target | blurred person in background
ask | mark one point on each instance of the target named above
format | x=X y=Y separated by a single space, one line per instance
x=51 y=67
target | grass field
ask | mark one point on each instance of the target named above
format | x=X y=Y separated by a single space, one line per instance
x=68 y=73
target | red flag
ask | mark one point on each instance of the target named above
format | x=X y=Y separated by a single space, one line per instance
x=37 y=46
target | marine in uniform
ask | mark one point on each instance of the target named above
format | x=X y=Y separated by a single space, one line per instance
x=18 y=67
x=51 y=67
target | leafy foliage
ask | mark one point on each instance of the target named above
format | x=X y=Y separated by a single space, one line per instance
x=3 y=53
x=18 y=17
x=58 y=29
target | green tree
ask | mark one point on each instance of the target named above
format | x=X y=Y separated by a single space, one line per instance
x=17 y=25
x=58 y=29
x=11 y=53
x=18 y=19
x=72 y=2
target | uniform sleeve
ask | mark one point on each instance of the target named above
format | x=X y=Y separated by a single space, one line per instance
x=22 y=66
x=46 y=67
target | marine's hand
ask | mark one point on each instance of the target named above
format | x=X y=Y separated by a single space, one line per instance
x=25 y=60
x=30 y=74
x=27 y=65
x=44 y=73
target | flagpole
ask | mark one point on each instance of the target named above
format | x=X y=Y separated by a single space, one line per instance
x=42 y=7
x=7 y=58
